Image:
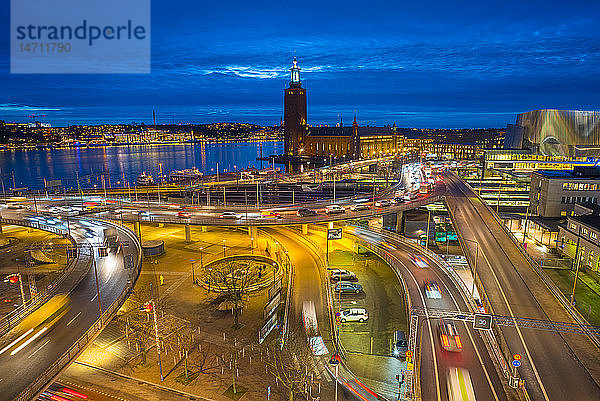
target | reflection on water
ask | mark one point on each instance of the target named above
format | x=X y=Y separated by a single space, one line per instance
x=127 y=162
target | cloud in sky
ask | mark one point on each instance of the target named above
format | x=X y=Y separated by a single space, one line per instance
x=431 y=64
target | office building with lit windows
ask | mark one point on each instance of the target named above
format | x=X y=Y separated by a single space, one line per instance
x=554 y=193
x=580 y=236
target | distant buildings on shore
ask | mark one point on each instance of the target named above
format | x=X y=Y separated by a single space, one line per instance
x=24 y=135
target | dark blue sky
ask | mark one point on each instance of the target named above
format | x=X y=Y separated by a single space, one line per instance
x=418 y=63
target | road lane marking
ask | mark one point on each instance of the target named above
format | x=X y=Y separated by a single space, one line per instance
x=487 y=376
x=535 y=371
x=95 y=296
x=71 y=321
x=435 y=365
x=34 y=352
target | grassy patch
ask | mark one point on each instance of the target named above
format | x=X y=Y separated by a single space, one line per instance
x=587 y=300
x=235 y=396
x=186 y=380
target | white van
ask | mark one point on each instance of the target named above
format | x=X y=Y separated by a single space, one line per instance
x=354 y=315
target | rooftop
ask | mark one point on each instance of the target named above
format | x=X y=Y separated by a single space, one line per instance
x=580 y=173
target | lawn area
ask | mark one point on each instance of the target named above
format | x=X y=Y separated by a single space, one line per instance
x=587 y=293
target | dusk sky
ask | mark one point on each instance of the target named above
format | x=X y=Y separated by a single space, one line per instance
x=417 y=63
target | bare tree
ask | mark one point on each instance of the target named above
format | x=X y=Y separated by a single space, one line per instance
x=292 y=364
x=234 y=280
x=137 y=324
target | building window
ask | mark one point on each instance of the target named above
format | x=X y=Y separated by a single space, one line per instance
x=572 y=226
x=584 y=231
x=562 y=200
x=593 y=235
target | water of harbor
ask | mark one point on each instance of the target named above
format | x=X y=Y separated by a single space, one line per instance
x=31 y=167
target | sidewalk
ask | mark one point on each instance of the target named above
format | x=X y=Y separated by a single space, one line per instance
x=562 y=273
x=214 y=347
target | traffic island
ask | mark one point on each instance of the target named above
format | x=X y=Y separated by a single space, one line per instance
x=203 y=351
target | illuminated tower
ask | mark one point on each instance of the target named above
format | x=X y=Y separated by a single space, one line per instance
x=294 y=113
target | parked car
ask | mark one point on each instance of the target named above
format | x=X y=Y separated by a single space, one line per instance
x=342 y=275
x=383 y=203
x=346 y=287
x=183 y=215
x=400 y=344
x=334 y=209
x=449 y=337
x=398 y=200
x=230 y=215
x=305 y=212
x=354 y=315
x=359 y=206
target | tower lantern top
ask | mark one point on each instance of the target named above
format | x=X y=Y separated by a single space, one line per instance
x=295 y=74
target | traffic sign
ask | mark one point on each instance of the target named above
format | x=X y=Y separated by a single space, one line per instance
x=334 y=233
x=517 y=357
x=482 y=322
x=409 y=353
x=335 y=359
x=516 y=363
x=409 y=366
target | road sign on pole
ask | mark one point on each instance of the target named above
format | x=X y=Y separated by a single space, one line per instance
x=334 y=233
x=482 y=322
x=516 y=363
x=517 y=357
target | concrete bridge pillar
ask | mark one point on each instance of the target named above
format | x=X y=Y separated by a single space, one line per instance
x=137 y=229
x=304 y=229
x=188 y=233
x=400 y=222
x=253 y=233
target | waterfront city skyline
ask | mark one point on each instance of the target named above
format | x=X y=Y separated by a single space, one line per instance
x=457 y=66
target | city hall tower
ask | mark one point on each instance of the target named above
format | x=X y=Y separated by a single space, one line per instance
x=294 y=113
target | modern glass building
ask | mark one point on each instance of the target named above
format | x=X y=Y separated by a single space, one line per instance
x=549 y=132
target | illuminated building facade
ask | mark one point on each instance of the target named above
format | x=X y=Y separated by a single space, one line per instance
x=554 y=193
x=301 y=139
x=562 y=133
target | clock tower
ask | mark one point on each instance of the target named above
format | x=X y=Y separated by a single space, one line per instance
x=294 y=113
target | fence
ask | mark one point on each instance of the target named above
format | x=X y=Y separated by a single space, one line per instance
x=68 y=356
x=82 y=260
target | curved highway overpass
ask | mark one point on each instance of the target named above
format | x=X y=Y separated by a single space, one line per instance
x=27 y=370
x=433 y=362
x=555 y=365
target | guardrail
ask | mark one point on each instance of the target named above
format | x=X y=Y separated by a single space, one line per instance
x=14 y=317
x=488 y=337
x=68 y=356
x=540 y=272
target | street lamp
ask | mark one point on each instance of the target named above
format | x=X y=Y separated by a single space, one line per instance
x=193 y=276
x=159 y=180
x=150 y=307
x=252 y=245
x=223 y=248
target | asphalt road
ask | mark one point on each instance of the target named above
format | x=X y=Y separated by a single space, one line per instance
x=434 y=361
x=251 y=215
x=555 y=366
x=22 y=368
